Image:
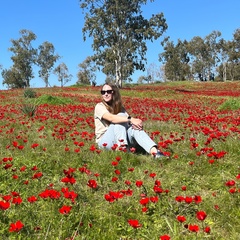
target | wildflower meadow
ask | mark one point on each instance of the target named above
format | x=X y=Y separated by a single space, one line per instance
x=55 y=183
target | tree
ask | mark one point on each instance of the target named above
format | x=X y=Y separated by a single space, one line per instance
x=119 y=33
x=24 y=57
x=175 y=59
x=12 y=78
x=46 y=60
x=62 y=72
x=86 y=74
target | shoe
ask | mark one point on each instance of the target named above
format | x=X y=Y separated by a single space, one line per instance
x=158 y=154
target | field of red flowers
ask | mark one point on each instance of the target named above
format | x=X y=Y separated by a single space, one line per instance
x=56 y=184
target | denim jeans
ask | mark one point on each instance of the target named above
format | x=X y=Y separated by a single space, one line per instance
x=124 y=134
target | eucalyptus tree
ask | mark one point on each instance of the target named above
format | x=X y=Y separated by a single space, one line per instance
x=86 y=73
x=12 y=78
x=175 y=59
x=24 y=57
x=212 y=47
x=204 y=54
x=223 y=57
x=46 y=60
x=62 y=73
x=120 y=32
x=234 y=56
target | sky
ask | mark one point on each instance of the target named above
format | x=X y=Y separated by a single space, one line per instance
x=61 y=21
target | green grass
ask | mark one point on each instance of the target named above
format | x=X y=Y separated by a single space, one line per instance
x=59 y=138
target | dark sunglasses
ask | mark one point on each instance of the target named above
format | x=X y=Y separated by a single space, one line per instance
x=107 y=91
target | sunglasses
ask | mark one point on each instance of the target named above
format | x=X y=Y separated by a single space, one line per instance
x=107 y=91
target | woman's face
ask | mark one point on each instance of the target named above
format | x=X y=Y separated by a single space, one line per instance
x=107 y=93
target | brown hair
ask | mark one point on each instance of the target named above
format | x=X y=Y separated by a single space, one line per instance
x=115 y=106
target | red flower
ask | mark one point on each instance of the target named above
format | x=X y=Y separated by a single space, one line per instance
x=69 y=179
x=17 y=200
x=197 y=199
x=144 y=209
x=164 y=237
x=4 y=205
x=114 y=163
x=201 y=215
x=118 y=158
x=134 y=223
x=92 y=183
x=34 y=145
x=92 y=148
x=152 y=175
x=65 y=209
x=157 y=183
x=127 y=182
x=193 y=228
x=23 y=168
x=117 y=172
x=37 y=175
x=157 y=189
x=188 y=200
x=139 y=183
x=230 y=183
x=181 y=219
x=16 y=227
x=114 y=179
x=32 y=199
x=144 y=201
x=184 y=188
x=154 y=199
x=207 y=229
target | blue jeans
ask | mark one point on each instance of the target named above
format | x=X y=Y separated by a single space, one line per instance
x=127 y=136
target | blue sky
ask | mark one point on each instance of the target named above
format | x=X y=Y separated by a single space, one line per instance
x=60 y=22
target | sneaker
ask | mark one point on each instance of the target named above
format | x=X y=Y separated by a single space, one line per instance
x=158 y=154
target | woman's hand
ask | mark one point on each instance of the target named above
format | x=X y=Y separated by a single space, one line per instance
x=137 y=123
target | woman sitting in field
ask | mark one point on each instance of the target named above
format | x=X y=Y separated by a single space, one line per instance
x=114 y=127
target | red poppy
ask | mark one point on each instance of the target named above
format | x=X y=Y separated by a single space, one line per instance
x=184 y=188
x=144 y=201
x=16 y=227
x=32 y=199
x=117 y=172
x=4 y=205
x=114 y=179
x=154 y=199
x=207 y=229
x=188 y=200
x=164 y=237
x=197 y=199
x=230 y=183
x=152 y=175
x=134 y=223
x=17 y=200
x=181 y=219
x=114 y=163
x=201 y=215
x=139 y=183
x=193 y=228
x=65 y=209
x=92 y=183
x=34 y=145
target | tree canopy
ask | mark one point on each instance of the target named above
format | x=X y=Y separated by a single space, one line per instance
x=120 y=32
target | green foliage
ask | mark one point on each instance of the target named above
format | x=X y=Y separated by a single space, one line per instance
x=120 y=31
x=29 y=109
x=53 y=100
x=230 y=104
x=29 y=93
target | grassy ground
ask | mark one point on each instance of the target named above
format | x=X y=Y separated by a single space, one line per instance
x=56 y=184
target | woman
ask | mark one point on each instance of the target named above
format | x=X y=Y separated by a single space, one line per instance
x=114 y=127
